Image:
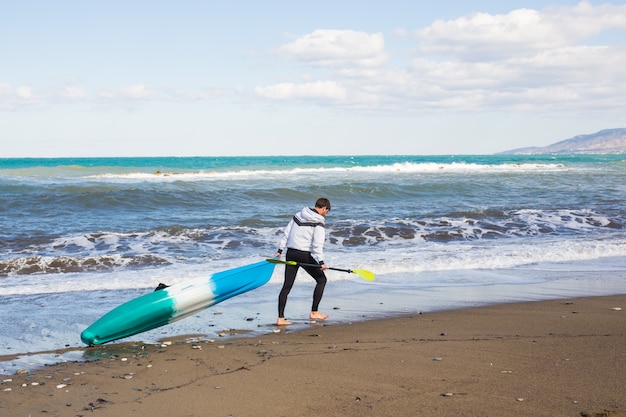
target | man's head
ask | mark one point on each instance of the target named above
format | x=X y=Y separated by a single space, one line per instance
x=322 y=205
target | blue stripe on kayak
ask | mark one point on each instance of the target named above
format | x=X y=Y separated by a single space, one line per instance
x=227 y=284
x=161 y=307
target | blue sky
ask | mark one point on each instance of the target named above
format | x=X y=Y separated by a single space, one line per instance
x=208 y=78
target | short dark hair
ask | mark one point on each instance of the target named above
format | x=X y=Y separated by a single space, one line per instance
x=323 y=202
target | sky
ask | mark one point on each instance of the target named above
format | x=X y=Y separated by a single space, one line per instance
x=239 y=78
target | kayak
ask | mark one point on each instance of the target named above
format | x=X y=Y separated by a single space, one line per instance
x=169 y=304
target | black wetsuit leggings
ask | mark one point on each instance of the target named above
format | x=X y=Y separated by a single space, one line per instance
x=290 y=277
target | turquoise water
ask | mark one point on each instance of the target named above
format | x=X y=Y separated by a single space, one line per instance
x=438 y=231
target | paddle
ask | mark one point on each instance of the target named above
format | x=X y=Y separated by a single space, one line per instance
x=363 y=273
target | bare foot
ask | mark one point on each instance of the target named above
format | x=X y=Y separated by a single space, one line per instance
x=316 y=315
x=283 y=322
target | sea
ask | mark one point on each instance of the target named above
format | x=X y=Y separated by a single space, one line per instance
x=80 y=236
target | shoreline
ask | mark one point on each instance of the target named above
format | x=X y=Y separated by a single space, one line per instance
x=42 y=323
x=561 y=357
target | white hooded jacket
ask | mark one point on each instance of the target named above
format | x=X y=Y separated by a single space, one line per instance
x=306 y=232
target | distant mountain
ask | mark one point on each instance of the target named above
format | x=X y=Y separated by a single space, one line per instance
x=608 y=141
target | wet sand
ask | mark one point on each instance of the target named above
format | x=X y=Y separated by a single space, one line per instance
x=547 y=358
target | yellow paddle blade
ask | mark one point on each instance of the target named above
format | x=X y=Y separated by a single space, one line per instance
x=365 y=274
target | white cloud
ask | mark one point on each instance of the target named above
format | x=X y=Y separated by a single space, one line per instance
x=25 y=97
x=325 y=90
x=205 y=94
x=132 y=92
x=482 y=35
x=576 y=65
x=73 y=93
x=141 y=92
x=527 y=60
x=400 y=33
x=25 y=93
x=13 y=98
x=338 y=48
x=485 y=36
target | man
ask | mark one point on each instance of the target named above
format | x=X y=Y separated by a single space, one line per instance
x=304 y=239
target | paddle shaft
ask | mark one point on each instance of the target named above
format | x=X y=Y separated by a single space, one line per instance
x=366 y=275
x=319 y=266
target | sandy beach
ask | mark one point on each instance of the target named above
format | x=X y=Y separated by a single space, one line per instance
x=547 y=358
